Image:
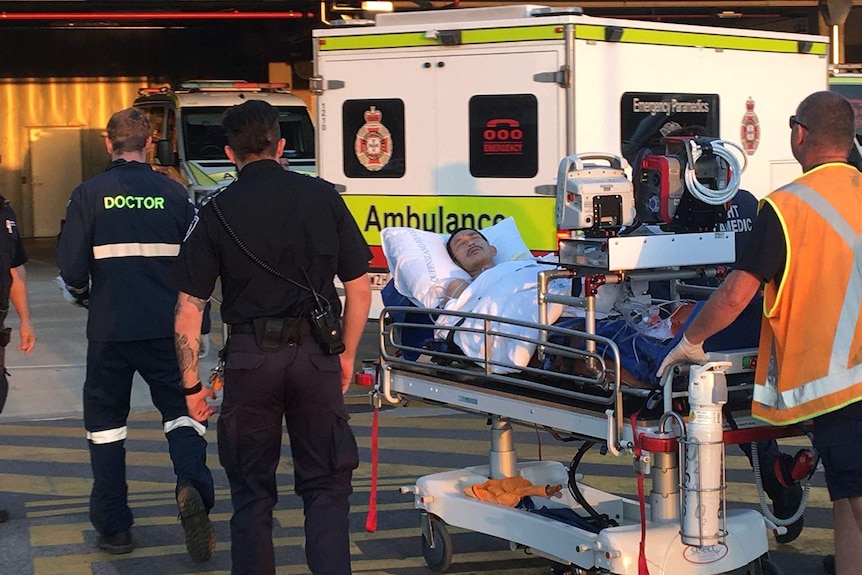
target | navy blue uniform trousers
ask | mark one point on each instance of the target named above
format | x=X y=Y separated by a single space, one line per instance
x=111 y=367
x=299 y=385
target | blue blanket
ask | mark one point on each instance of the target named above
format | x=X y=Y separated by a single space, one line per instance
x=639 y=354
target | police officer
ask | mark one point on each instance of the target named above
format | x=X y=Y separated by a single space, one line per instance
x=277 y=239
x=13 y=287
x=122 y=232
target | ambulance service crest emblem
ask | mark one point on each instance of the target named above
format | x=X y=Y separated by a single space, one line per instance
x=749 y=131
x=373 y=144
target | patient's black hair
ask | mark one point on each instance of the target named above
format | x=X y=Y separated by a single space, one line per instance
x=458 y=231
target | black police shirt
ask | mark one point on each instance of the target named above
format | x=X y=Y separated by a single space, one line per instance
x=295 y=224
x=12 y=252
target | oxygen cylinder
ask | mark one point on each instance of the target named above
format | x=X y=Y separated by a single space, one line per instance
x=703 y=472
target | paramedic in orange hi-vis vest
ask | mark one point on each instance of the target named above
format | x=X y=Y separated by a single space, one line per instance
x=805 y=248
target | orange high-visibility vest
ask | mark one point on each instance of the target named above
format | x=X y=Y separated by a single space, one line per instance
x=810 y=354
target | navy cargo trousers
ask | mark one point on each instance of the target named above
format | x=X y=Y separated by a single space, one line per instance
x=111 y=367
x=299 y=385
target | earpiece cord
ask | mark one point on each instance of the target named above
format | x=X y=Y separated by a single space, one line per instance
x=244 y=249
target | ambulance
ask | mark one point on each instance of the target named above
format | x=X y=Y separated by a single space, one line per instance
x=189 y=141
x=846 y=79
x=447 y=118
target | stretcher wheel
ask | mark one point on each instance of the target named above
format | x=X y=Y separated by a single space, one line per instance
x=439 y=557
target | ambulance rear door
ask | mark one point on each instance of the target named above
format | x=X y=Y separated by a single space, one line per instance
x=444 y=136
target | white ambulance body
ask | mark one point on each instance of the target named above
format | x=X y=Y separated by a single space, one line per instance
x=846 y=79
x=448 y=118
x=189 y=141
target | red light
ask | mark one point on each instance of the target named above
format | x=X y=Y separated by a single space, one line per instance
x=363 y=379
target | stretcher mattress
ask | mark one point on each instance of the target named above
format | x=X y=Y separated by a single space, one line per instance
x=640 y=353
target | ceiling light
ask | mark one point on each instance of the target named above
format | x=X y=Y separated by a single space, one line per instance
x=377 y=6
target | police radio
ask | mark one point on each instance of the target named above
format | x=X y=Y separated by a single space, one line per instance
x=326 y=328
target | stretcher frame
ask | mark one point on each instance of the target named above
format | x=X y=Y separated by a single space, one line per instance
x=526 y=397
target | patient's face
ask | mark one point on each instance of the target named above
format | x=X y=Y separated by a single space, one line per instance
x=472 y=252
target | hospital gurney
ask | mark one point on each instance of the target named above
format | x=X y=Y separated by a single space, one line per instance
x=594 y=406
x=674 y=430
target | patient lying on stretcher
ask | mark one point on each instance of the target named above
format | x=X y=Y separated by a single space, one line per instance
x=643 y=332
x=653 y=336
x=498 y=278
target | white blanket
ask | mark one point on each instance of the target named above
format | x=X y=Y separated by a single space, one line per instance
x=507 y=290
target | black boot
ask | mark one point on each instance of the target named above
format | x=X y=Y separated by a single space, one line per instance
x=784 y=506
x=117 y=543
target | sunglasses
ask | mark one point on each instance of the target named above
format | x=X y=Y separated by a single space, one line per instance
x=794 y=122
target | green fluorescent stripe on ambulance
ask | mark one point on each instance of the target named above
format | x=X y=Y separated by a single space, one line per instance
x=517 y=34
x=417 y=39
x=404 y=40
x=555 y=32
x=698 y=39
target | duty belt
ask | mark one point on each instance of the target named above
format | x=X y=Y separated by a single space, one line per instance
x=272 y=332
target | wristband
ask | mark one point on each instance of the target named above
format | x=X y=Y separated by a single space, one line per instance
x=196 y=388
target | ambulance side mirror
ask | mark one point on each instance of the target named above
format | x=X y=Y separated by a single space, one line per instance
x=164 y=154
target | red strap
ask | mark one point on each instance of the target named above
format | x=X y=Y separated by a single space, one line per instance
x=371 y=520
x=643 y=569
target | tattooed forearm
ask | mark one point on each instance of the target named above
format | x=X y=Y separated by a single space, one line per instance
x=197 y=302
x=186 y=356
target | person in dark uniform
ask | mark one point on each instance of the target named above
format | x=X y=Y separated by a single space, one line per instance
x=13 y=287
x=122 y=233
x=277 y=239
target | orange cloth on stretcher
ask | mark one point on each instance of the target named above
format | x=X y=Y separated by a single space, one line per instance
x=510 y=490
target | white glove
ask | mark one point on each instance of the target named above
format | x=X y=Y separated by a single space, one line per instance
x=79 y=297
x=684 y=352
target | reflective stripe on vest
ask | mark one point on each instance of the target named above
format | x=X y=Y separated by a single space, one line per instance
x=135 y=249
x=808 y=370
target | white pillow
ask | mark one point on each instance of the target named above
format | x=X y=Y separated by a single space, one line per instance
x=419 y=263
x=421 y=266
x=504 y=236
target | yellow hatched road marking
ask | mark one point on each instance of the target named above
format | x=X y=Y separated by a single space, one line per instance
x=71 y=495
